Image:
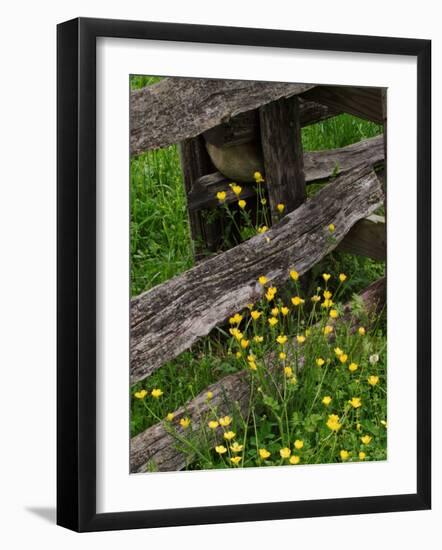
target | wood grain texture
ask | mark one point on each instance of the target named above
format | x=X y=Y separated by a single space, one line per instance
x=283 y=157
x=175 y=109
x=367 y=238
x=318 y=166
x=194 y=163
x=362 y=102
x=156 y=446
x=169 y=318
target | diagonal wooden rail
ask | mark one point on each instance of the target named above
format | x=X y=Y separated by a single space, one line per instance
x=157 y=446
x=169 y=318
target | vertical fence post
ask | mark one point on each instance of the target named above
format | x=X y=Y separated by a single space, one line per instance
x=195 y=162
x=283 y=155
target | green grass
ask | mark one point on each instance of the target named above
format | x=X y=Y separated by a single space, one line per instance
x=160 y=240
x=161 y=248
x=138 y=81
x=338 y=131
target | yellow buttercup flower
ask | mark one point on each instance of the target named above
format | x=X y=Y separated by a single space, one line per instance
x=238 y=355
x=209 y=395
x=328 y=329
x=326 y=400
x=326 y=276
x=236 y=447
x=334 y=314
x=252 y=365
x=262 y=229
x=331 y=228
x=170 y=417
x=333 y=423
x=353 y=367
x=355 y=402
x=258 y=177
x=343 y=358
x=294 y=274
x=294 y=459
x=327 y=303
x=361 y=331
x=327 y=294
x=280 y=207
x=220 y=449
x=284 y=310
x=373 y=380
x=293 y=380
x=258 y=339
x=225 y=421
x=272 y=321
x=185 y=422
x=270 y=294
x=255 y=315
x=281 y=339
x=342 y=277
x=236 y=460
x=366 y=439
x=288 y=372
x=242 y=203
x=156 y=392
x=315 y=298
x=320 y=361
x=236 y=333
x=229 y=435
x=299 y=444
x=140 y=394
x=362 y=455
x=251 y=357
x=338 y=352
x=221 y=196
x=262 y=280
x=264 y=454
x=213 y=424
x=282 y=355
x=244 y=343
x=285 y=452
x=236 y=188
x=300 y=339
x=344 y=454
x=275 y=311
x=237 y=318
x=296 y=301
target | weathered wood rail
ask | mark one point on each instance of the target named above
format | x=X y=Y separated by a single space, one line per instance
x=169 y=318
x=157 y=446
x=176 y=109
x=367 y=238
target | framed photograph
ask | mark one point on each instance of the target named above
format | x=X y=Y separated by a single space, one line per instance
x=243 y=278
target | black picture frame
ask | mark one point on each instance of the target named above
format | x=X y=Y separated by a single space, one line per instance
x=77 y=287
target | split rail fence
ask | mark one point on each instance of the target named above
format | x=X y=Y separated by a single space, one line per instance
x=222 y=126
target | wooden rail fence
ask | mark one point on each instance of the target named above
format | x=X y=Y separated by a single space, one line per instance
x=224 y=130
